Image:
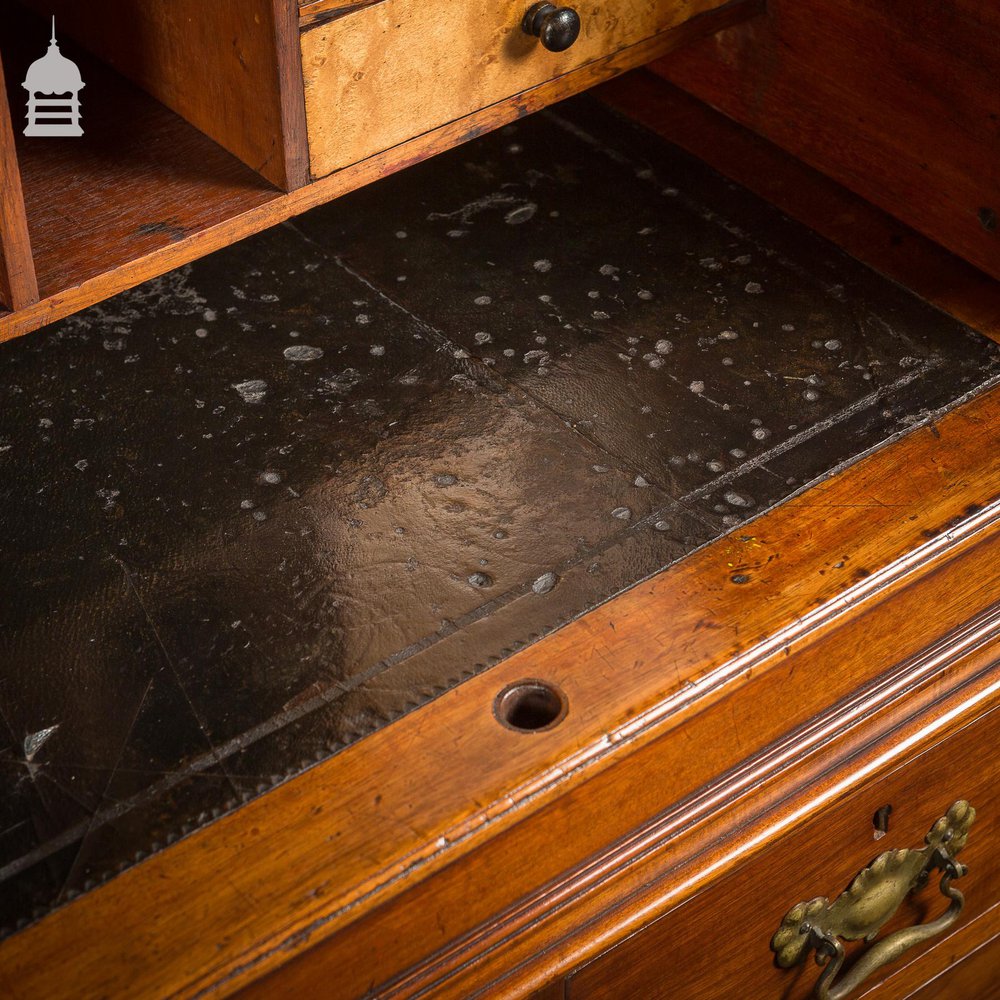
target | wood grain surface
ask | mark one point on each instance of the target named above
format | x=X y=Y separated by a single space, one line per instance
x=897 y=101
x=640 y=669
x=831 y=683
x=394 y=70
x=674 y=957
x=804 y=193
x=968 y=964
x=315 y=12
x=593 y=867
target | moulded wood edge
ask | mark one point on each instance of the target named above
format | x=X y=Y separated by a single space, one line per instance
x=540 y=769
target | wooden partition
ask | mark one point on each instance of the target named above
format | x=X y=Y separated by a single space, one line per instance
x=85 y=216
x=897 y=101
x=229 y=67
x=18 y=287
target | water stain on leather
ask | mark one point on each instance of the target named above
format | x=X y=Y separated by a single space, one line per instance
x=262 y=506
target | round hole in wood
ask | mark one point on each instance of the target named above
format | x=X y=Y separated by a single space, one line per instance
x=530 y=706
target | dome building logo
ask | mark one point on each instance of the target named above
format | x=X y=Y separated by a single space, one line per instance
x=53 y=84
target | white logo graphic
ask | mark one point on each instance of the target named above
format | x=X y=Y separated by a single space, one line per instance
x=53 y=84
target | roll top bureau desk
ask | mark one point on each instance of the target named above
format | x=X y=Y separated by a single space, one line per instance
x=768 y=765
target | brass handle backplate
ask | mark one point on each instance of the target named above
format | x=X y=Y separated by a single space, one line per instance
x=869 y=902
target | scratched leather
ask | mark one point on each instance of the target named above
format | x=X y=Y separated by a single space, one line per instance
x=687 y=328
x=256 y=509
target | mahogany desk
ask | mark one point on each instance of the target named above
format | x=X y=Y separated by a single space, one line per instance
x=606 y=553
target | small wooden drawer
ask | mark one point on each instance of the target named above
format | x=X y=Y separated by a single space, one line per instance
x=380 y=74
x=718 y=943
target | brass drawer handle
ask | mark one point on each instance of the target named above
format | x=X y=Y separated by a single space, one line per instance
x=871 y=899
x=557 y=27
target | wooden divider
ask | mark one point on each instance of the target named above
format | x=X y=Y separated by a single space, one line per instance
x=18 y=287
x=229 y=67
x=897 y=101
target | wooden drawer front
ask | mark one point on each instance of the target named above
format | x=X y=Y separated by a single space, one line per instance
x=973 y=974
x=399 y=68
x=718 y=944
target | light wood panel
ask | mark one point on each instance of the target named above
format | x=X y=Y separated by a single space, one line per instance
x=896 y=100
x=316 y=12
x=393 y=70
x=18 y=287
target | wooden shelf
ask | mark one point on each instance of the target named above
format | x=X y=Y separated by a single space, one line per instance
x=146 y=190
x=140 y=179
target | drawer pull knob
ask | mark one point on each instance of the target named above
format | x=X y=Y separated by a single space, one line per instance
x=557 y=27
x=871 y=900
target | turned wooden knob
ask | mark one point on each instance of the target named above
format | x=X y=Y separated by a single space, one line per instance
x=557 y=27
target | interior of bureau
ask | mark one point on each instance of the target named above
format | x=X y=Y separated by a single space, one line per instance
x=198 y=135
x=690 y=345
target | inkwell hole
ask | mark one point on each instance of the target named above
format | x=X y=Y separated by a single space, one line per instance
x=530 y=706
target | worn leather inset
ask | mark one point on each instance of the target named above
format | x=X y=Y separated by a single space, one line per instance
x=256 y=509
